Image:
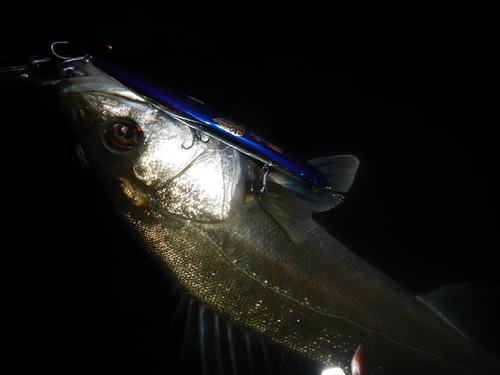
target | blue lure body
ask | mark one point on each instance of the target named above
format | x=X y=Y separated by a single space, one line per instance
x=206 y=120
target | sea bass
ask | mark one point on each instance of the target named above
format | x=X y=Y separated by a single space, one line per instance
x=224 y=231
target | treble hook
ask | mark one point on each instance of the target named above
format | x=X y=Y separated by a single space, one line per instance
x=85 y=58
x=263 y=188
x=340 y=197
x=265 y=170
x=54 y=52
x=202 y=137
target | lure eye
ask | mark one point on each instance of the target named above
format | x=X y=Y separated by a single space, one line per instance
x=122 y=135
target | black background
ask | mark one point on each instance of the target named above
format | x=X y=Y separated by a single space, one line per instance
x=407 y=89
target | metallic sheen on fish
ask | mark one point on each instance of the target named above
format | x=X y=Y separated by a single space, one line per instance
x=240 y=241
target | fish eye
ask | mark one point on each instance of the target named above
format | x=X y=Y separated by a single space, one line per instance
x=122 y=135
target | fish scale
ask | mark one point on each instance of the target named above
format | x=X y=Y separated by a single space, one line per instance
x=313 y=298
x=270 y=289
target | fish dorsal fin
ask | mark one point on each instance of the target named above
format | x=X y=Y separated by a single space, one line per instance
x=471 y=309
x=339 y=170
x=228 y=349
x=291 y=213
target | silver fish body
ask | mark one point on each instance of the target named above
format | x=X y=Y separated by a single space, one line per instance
x=185 y=198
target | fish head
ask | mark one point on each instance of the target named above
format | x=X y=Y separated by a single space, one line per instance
x=145 y=157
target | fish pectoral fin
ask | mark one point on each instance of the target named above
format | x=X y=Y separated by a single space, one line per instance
x=227 y=348
x=286 y=208
x=306 y=193
x=339 y=170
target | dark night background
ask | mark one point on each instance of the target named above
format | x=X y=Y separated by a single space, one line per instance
x=407 y=89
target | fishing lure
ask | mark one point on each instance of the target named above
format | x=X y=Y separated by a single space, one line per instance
x=312 y=181
x=206 y=120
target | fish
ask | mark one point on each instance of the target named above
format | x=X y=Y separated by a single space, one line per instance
x=202 y=212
